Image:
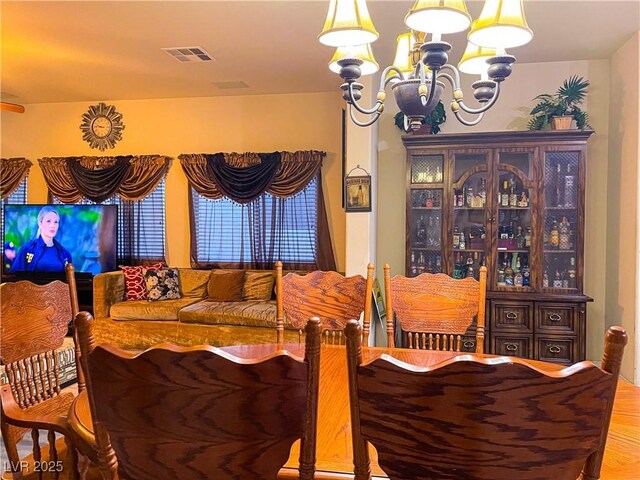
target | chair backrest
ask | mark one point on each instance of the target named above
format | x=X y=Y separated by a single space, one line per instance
x=199 y=412
x=435 y=310
x=328 y=295
x=35 y=320
x=479 y=418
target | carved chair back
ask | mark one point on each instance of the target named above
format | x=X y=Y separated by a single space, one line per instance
x=435 y=310
x=35 y=320
x=199 y=412
x=328 y=295
x=482 y=418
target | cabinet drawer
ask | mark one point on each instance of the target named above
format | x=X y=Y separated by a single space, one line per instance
x=562 y=350
x=556 y=318
x=469 y=344
x=512 y=317
x=512 y=345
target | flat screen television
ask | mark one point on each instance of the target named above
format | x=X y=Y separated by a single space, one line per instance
x=43 y=238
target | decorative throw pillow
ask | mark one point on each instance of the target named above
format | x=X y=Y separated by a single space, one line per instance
x=134 y=286
x=225 y=286
x=162 y=284
x=258 y=286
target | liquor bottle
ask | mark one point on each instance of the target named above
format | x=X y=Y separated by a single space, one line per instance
x=430 y=266
x=545 y=279
x=438 y=268
x=463 y=242
x=571 y=273
x=461 y=198
x=564 y=235
x=508 y=275
x=554 y=236
x=437 y=228
x=501 y=282
x=518 y=279
x=429 y=199
x=569 y=185
x=414 y=267
x=429 y=176
x=519 y=238
x=421 y=232
x=456 y=238
x=504 y=202
x=557 y=281
x=513 y=196
x=526 y=275
x=458 y=267
x=527 y=238
x=469 y=266
x=469 y=197
x=421 y=265
x=439 y=176
x=482 y=191
x=524 y=200
x=430 y=232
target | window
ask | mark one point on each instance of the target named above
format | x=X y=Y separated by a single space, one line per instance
x=141 y=227
x=19 y=196
x=260 y=233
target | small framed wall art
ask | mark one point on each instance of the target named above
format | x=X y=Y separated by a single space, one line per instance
x=357 y=191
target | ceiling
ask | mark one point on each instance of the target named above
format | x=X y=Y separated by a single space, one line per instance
x=88 y=51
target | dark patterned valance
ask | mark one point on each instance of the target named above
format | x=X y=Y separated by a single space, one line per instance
x=131 y=177
x=12 y=172
x=243 y=177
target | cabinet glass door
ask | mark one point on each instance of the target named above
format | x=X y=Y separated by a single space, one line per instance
x=424 y=254
x=560 y=246
x=469 y=235
x=514 y=223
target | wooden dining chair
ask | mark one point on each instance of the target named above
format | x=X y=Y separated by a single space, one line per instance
x=434 y=311
x=328 y=295
x=35 y=320
x=198 y=412
x=481 y=418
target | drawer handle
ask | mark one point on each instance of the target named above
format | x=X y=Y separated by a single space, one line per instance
x=554 y=317
x=511 y=347
x=511 y=315
x=469 y=344
x=554 y=348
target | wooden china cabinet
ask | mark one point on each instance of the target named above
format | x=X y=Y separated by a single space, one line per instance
x=513 y=201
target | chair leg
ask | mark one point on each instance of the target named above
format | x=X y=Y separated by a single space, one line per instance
x=11 y=435
x=72 y=460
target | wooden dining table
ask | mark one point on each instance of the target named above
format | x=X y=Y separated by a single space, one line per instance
x=334 y=458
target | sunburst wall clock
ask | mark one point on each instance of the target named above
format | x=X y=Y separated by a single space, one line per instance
x=102 y=126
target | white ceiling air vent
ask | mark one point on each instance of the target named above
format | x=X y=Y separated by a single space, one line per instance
x=188 y=54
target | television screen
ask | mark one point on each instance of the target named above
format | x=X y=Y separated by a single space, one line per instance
x=44 y=238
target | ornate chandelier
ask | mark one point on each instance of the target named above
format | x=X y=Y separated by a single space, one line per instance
x=420 y=67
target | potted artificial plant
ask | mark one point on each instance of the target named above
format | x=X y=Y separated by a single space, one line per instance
x=561 y=109
x=431 y=123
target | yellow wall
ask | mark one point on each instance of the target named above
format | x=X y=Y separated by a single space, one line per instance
x=191 y=125
x=622 y=227
x=511 y=113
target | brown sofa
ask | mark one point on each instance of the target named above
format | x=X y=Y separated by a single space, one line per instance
x=190 y=320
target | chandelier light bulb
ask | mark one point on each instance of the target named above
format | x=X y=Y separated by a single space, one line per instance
x=438 y=16
x=501 y=25
x=363 y=52
x=348 y=24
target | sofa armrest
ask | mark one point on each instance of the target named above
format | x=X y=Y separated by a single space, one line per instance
x=108 y=288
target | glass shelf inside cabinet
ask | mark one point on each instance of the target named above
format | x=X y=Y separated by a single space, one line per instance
x=426 y=231
x=427 y=169
x=560 y=220
x=469 y=230
x=514 y=233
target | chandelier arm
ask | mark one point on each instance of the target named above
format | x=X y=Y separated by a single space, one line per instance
x=368 y=123
x=354 y=102
x=450 y=79
x=468 y=123
x=485 y=107
x=456 y=74
x=385 y=80
x=432 y=90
